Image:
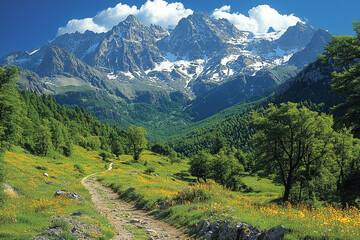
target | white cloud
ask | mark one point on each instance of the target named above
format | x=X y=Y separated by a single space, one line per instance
x=167 y=15
x=81 y=26
x=260 y=19
x=112 y=16
x=157 y=12
x=162 y=13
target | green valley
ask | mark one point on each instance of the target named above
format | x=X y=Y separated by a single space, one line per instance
x=213 y=126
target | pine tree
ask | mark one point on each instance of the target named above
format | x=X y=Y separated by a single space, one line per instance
x=10 y=108
x=43 y=140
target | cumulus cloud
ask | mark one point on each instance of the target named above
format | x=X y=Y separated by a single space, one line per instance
x=260 y=19
x=81 y=25
x=157 y=12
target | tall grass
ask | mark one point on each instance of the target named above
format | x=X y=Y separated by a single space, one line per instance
x=30 y=210
x=189 y=202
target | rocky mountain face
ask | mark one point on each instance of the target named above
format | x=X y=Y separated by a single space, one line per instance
x=199 y=37
x=129 y=47
x=312 y=84
x=81 y=45
x=238 y=89
x=58 y=61
x=316 y=45
x=204 y=58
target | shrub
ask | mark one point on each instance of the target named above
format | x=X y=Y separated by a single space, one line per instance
x=149 y=170
x=79 y=169
x=192 y=194
x=58 y=222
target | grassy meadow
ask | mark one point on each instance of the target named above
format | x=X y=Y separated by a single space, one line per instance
x=190 y=202
x=30 y=209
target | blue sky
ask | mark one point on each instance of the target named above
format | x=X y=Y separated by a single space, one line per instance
x=27 y=25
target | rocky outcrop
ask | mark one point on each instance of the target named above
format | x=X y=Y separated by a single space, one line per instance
x=311 y=51
x=64 y=193
x=64 y=227
x=226 y=230
x=57 y=61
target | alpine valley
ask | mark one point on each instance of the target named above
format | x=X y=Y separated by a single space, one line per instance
x=198 y=130
x=161 y=78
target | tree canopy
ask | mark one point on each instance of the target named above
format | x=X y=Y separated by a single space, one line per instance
x=344 y=53
x=137 y=140
x=289 y=138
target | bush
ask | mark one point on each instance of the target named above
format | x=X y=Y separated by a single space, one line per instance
x=149 y=170
x=235 y=183
x=79 y=169
x=161 y=149
x=192 y=195
x=66 y=150
x=58 y=222
x=105 y=156
x=67 y=236
x=182 y=174
x=41 y=168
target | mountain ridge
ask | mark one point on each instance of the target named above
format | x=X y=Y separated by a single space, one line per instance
x=134 y=63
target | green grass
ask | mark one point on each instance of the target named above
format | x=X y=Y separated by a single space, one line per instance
x=137 y=232
x=31 y=211
x=189 y=202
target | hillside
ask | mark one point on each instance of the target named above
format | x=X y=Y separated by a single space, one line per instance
x=35 y=207
x=32 y=206
x=310 y=87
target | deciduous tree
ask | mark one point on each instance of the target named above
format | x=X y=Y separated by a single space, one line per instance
x=137 y=139
x=288 y=138
x=200 y=166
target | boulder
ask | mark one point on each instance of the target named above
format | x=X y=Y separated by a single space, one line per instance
x=77 y=213
x=274 y=233
x=227 y=230
x=64 y=193
x=208 y=235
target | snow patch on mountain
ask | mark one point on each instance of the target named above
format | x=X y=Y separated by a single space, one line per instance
x=111 y=76
x=188 y=68
x=228 y=72
x=163 y=66
x=215 y=77
x=283 y=60
x=35 y=51
x=272 y=36
x=230 y=58
x=128 y=74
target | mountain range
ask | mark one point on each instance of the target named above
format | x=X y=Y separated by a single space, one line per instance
x=199 y=68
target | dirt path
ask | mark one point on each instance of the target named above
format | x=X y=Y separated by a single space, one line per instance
x=129 y=222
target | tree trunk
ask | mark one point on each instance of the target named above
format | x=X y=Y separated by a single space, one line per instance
x=288 y=187
x=301 y=186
